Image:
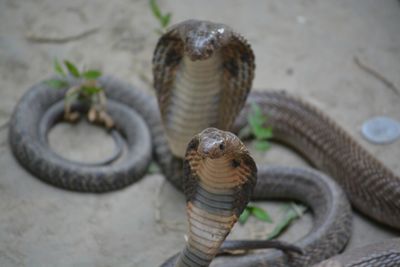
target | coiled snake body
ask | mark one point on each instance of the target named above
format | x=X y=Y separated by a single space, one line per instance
x=225 y=75
x=200 y=65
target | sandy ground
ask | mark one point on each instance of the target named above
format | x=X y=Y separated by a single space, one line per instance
x=306 y=47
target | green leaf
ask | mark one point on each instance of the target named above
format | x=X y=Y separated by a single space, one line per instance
x=293 y=211
x=244 y=216
x=260 y=214
x=254 y=124
x=256 y=110
x=165 y=20
x=91 y=90
x=155 y=9
x=58 y=68
x=56 y=84
x=256 y=121
x=91 y=74
x=263 y=132
x=72 y=69
x=262 y=145
x=256 y=118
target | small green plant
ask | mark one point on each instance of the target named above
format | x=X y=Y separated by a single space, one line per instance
x=255 y=211
x=292 y=211
x=163 y=19
x=255 y=128
x=86 y=90
x=261 y=133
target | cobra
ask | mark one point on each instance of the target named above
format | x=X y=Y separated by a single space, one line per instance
x=371 y=187
x=203 y=73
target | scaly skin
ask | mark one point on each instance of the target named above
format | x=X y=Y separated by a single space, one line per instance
x=219 y=176
x=371 y=187
x=386 y=253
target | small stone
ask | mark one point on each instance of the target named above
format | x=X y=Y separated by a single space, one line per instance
x=381 y=130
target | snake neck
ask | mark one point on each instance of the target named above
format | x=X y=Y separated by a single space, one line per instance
x=211 y=211
x=194 y=101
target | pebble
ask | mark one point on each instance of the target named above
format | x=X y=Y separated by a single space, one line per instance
x=381 y=130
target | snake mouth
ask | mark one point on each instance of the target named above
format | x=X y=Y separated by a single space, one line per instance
x=198 y=52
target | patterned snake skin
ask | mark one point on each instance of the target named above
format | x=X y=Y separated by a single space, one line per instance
x=383 y=254
x=31 y=149
x=187 y=55
x=372 y=188
x=332 y=218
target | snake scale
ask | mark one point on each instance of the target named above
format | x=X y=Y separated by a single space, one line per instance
x=203 y=73
x=197 y=55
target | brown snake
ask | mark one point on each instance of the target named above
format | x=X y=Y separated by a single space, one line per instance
x=202 y=75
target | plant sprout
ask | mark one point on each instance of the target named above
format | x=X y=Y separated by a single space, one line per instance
x=261 y=133
x=87 y=90
x=163 y=19
x=292 y=212
x=255 y=211
x=256 y=128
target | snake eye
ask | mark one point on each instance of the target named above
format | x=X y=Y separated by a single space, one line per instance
x=221 y=146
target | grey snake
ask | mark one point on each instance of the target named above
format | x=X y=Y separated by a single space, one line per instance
x=371 y=187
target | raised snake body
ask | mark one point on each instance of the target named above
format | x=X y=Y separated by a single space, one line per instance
x=219 y=178
x=195 y=91
x=371 y=187
x=202 y=75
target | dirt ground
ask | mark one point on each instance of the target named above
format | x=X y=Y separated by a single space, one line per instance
x=306 y=47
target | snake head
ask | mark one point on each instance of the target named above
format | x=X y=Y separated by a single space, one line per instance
x=214 y=143
x=202 y=38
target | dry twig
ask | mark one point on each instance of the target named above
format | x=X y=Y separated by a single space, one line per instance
x=377 y=75
x=60 y=40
